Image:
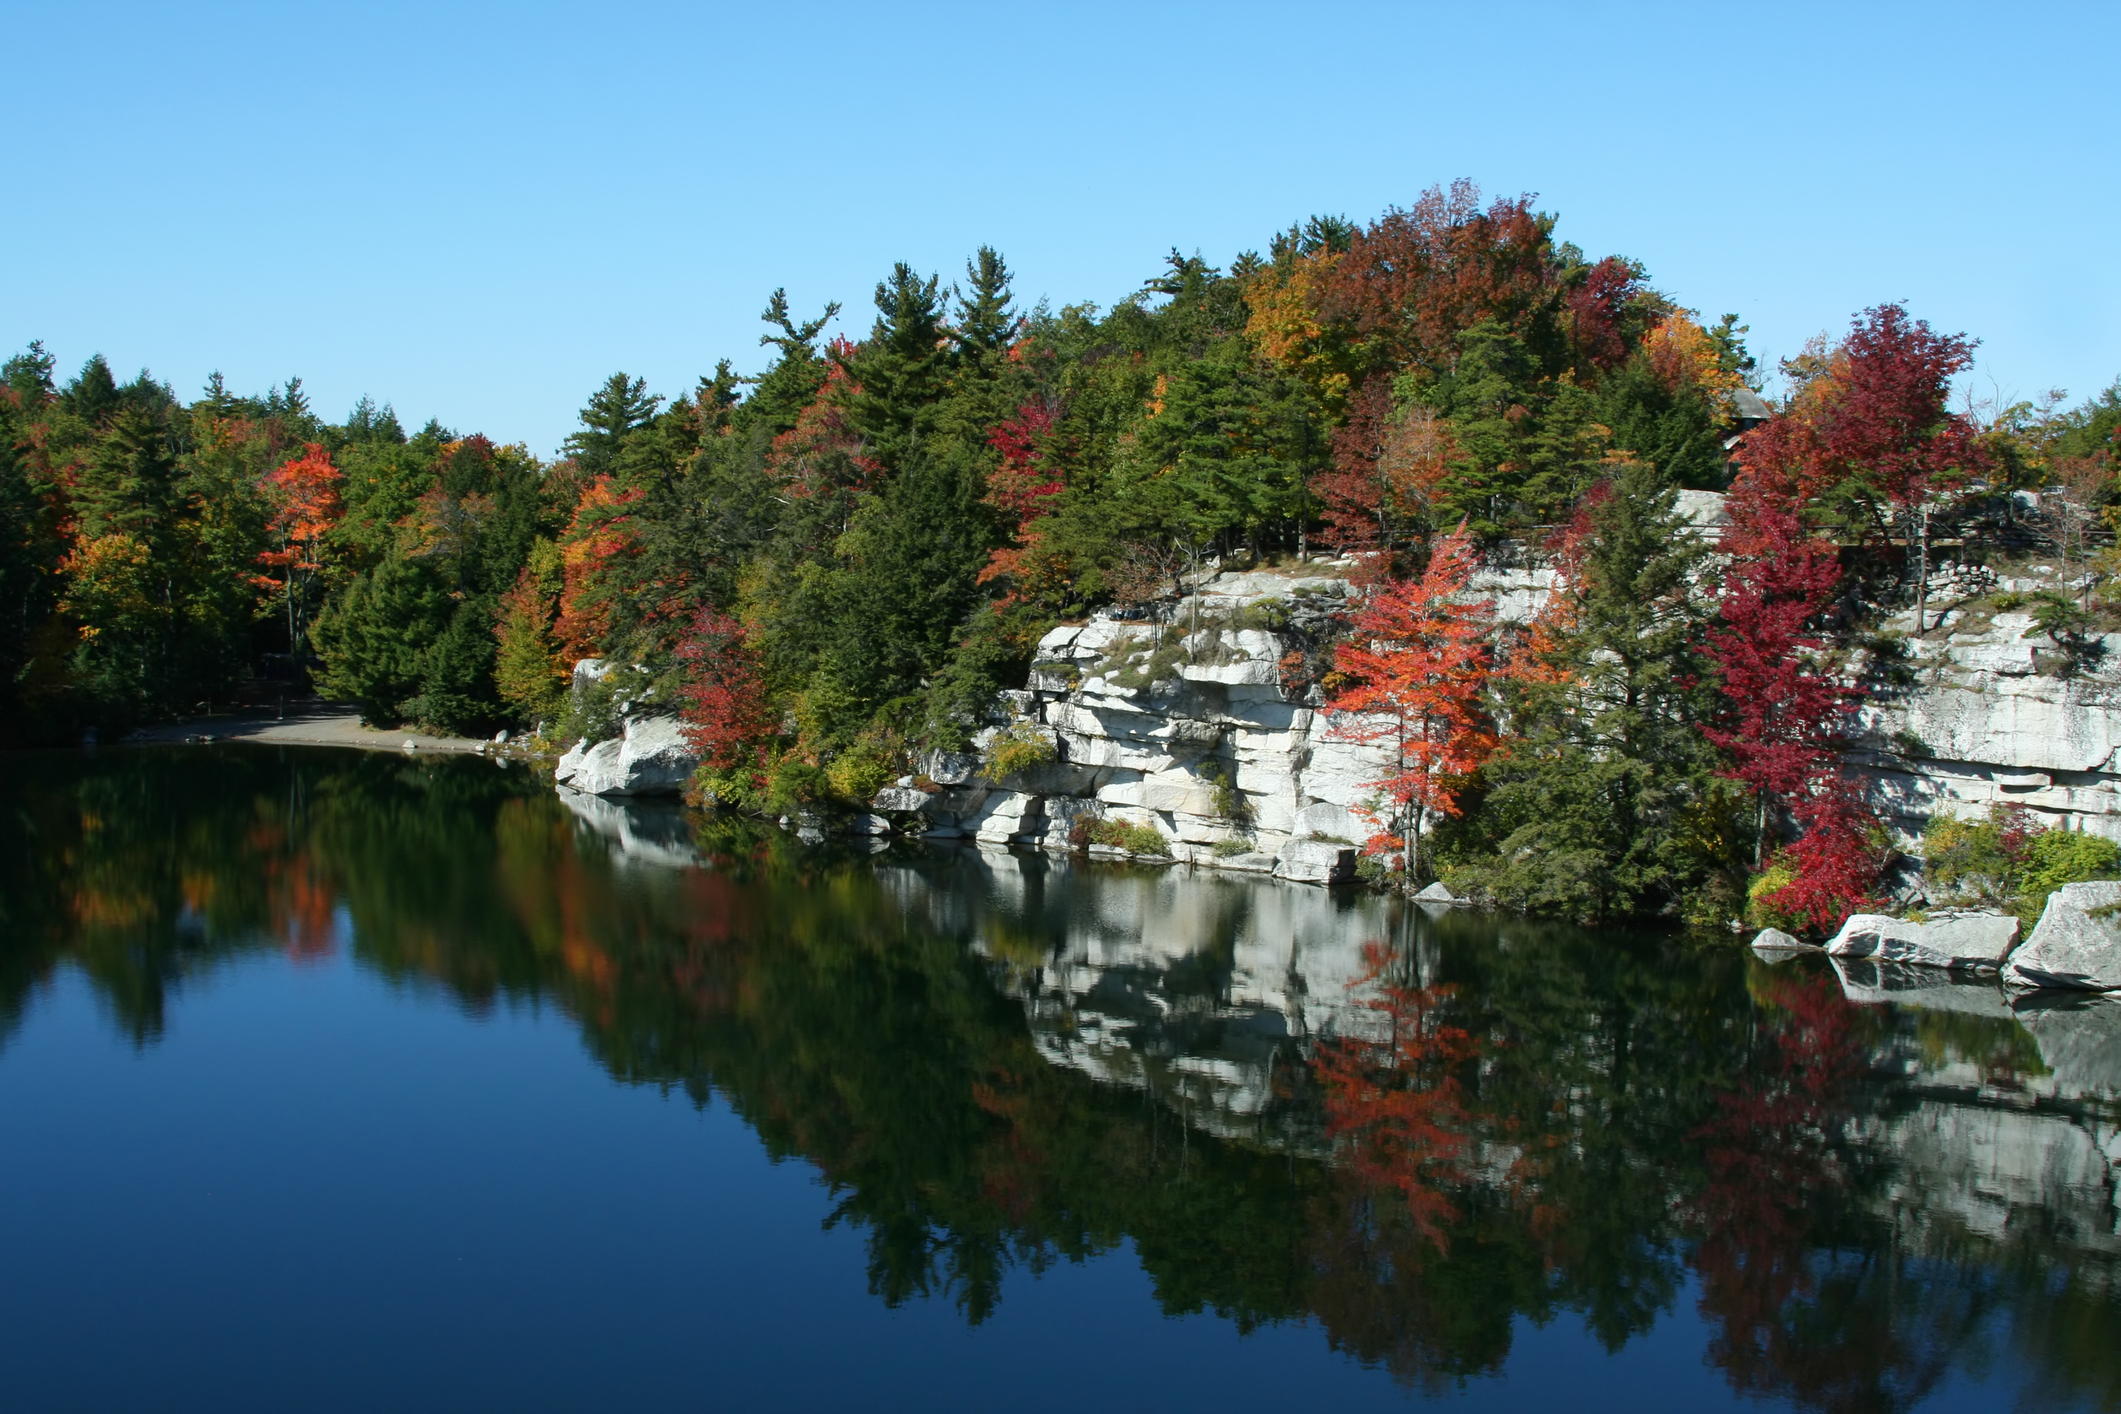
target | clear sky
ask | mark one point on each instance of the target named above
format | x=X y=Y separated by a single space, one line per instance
x=476 y=212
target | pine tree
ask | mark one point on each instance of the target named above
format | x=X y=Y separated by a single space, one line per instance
x=614 y=414
x=899 y=372
x=1607 y=801
x=986 y=323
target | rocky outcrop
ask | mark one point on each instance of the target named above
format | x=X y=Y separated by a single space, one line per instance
x=650 y=756
x=1184 y=726
x=2000 y=712
x=2077 y=942
x=1967 y=941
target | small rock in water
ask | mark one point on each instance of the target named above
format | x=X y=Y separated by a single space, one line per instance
x=1775 y=940
x=411 y=745
x=1438 y=892
x=500 y=738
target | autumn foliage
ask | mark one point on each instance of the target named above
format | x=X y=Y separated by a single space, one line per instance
x=303 y=493
x=725 y=711
x=1417 y=662
x=1785 y=713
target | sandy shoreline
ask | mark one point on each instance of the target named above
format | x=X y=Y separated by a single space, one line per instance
x=323 y=726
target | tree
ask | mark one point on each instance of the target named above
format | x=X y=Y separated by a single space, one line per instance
x=725 y=711
x=530 y=671
x=985 y=321
x=614 y=414
x=1869 y=437
x=1783 y=711
x=897 y=374
x=304 y=495
x=1606 y=800
x=1420 y=661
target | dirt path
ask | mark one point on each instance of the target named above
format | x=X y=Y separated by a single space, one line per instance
x=322 y=726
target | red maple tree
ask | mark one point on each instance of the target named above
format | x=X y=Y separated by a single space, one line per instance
x=1784 y=712
x=1871 y=432
x=1419 y=659
x=304 y=495
x=1023 y=487
x=724 y=708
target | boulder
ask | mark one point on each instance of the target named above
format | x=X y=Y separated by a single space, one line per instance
x=651 y=757
x=1975 y=941
x=1775 y=940
x=901 y=798
x=1438 y=892
x=2077 y=942
x=1315 y=862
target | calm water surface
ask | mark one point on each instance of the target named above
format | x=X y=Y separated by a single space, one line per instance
x=342 y=1081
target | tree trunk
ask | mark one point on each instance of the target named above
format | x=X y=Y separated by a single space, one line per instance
x=1922 y=565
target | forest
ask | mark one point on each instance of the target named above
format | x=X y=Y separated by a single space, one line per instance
x=835 y=563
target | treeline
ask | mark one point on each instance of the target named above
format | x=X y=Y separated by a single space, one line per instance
x=839 y=560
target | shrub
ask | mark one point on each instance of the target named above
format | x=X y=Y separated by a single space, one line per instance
x=2058 y=857
x=860 y=771
x=1761 y=910
x=1135 y=839
x=1021 y=747
x=2006 y=861
x=1231 y=848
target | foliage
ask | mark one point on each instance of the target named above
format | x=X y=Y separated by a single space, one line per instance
x=1019 y=748
x=1416 y=671
x=2006 y=860
x=1606 y=800
x=1783 y=711
x=1122 y=834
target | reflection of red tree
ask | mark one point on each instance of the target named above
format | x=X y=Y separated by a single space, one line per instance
x=1393 y=1105
x=1772 y=1169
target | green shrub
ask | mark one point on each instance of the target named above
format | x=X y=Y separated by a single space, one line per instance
x=1231 y=848
x=1761 y=910
x=2006 y=861
x=2058 y=857
x=1021 y=747
x=863 y=769
x=1135 y=839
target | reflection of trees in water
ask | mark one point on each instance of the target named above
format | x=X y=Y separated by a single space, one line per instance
x=1539 y=1121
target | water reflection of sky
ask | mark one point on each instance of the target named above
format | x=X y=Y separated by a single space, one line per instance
x=344 y=1081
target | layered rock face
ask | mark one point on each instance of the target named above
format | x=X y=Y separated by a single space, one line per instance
x=1186 y=727
x=2001 y=712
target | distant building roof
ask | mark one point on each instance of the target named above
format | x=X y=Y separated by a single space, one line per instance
x=1749 y=406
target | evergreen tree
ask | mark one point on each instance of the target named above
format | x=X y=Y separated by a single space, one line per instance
x=985 y=320
x=899 y=371
x=1607 y=800
x=614 y=414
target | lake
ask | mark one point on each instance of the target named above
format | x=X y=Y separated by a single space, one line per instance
x=333 y=1080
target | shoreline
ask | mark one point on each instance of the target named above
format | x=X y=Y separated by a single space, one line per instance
x=320 y=726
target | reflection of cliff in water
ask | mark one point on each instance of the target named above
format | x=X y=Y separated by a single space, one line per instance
x=2001 y=1115
x=997 y=1062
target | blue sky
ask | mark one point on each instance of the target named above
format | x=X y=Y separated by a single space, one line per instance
x=476 y=212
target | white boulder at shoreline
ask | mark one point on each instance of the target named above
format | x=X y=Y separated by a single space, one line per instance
x=2077 y=942
x=1968 y=941
x=649 y=757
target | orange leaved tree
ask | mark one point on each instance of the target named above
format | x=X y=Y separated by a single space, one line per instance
x=304 y=495
x=1419 y=660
